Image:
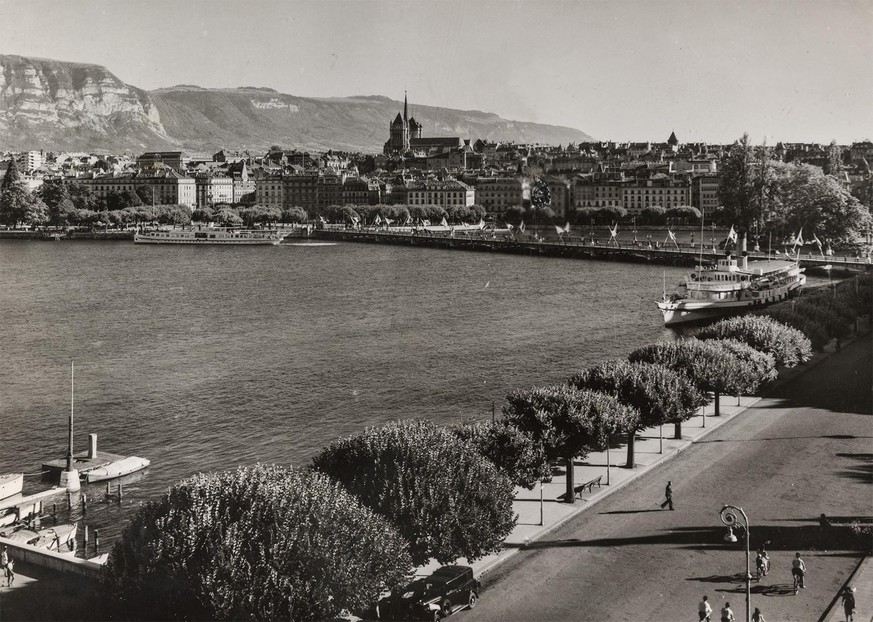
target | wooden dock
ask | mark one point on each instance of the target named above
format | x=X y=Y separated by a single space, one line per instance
x=82 y=462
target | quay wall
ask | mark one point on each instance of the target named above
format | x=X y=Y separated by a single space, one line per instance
x=624 y=251
x=52 y=560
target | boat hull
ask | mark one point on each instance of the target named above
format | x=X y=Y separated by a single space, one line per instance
x=142 y=239
x=11 y=484
x=684 y=311
x=116 y=469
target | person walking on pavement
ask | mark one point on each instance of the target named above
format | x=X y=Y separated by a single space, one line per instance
x=798 y=569
x=849 y=603
x=758 y=616
x=704 y=611
x=668 y=493
x=727 y=615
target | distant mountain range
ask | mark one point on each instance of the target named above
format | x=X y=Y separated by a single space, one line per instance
x=56 y=105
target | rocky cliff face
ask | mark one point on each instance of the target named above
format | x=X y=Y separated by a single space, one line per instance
x=53 y=105
x=56 y=105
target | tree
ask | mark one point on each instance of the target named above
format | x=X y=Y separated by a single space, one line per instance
x=787 y=345
x=203 y=214
x=707 y=364
x=818 y=204
x=260 y=543
x=513 y=215
x=14 y=203
x=737 y=191
x=146 y=194
x=659 y=394
x=444 y=497
x=293 y=215
x=11 y=177
x=834 y=164
x=35 y=212
x=567 y=422
x=513 y=452
x=227 y=217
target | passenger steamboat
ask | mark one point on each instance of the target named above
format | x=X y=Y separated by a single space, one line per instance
x=208 y=235
x=732 y=286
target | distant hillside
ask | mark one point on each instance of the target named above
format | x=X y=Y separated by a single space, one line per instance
x=56 y=105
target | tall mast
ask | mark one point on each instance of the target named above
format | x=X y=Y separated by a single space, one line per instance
x=70 y=427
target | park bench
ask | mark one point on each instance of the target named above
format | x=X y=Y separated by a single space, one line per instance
x=589 y=486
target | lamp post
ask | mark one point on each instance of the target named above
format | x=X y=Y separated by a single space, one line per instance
x=729 y=517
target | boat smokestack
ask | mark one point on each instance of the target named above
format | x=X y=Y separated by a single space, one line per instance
x=744 y=264
x=92 y=446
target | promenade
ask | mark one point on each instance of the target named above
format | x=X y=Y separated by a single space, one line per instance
x=623 y=249
x=43 y=595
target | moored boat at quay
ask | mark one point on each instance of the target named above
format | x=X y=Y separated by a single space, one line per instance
x=209 y=235
x=732 y=286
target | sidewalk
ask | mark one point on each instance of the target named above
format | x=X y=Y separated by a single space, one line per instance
x=862 y=581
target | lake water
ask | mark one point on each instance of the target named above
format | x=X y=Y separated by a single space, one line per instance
x=203 y=359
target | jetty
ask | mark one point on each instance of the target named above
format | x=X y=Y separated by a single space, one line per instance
x=89 y=461
x=576 y=248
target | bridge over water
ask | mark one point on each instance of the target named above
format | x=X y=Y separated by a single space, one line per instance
x=475 y=240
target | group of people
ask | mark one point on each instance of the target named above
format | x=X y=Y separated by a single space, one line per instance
x=704 y=612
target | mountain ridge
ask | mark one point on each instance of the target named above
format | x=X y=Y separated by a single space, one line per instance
x=59 y=105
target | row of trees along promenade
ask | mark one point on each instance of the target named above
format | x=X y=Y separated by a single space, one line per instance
x=270 y=542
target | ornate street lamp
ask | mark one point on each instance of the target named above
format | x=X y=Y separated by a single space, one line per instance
x=729 y=517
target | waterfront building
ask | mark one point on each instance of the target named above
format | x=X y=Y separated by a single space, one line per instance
x=212 y=189
x=164 y=186
x=704 y=193
x=438 y=192
x=658 y=191
x=497 y=194
x=560 y=190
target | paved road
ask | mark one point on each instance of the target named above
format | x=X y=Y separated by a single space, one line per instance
x=802 y=451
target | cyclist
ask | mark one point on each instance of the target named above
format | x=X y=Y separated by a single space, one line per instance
x=762 y=561
x=798 y=569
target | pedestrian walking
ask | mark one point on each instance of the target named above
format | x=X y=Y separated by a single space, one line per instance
x=10 y=572
x=727 y=615
x=668 y=494
x=758 y=616
x=849 y=603
x=704 y=611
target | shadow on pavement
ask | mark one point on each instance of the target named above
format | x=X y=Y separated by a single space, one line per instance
x=777 y=538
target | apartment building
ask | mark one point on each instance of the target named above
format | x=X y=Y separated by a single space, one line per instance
x=164 y=186
x=444 y=193
x=497 y=194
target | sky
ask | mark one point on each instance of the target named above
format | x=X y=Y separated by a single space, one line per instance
x=710 y=70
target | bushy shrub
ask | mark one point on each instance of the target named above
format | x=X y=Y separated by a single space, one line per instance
x=513 y=452
x=785 y=314
x=445 y=498
x=787 y=345
x=260 y=543
x=660 y=394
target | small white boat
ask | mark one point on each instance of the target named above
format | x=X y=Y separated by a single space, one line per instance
x=11 y=484
x=60 y=538
x=115 y=469
x=20 y=536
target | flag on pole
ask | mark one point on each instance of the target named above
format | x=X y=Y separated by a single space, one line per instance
x=732 y=235
x=798 y=241
x=508 y=226
x=321 y=220
x=378 y=220
x=567 y=227
x=613 y=231
x=671 y=235
x=816 y=241
x=388 y=221
x=425 y=222
x=558 y=230
x=408 y=220
x=354 y=219
x=444 y=223
x=521 y=226
x=481 y=223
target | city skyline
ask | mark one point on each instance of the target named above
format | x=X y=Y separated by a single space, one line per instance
x=618 y=71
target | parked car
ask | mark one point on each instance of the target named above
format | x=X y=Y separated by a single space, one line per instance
x=449 y=589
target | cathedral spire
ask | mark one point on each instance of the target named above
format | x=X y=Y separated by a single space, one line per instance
x=405 y=117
